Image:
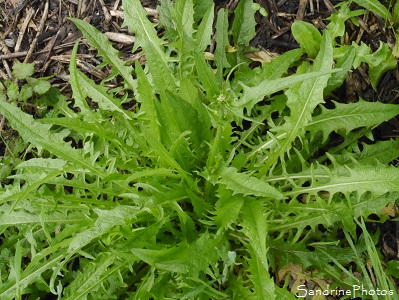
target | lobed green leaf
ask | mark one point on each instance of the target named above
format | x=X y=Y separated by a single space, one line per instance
x=241 y=183
x=349 y=116
x=105 y=49
x=152 y=45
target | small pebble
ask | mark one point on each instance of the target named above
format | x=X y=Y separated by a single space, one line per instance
x=10 y=43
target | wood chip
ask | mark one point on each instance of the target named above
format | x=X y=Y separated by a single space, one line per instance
x=120 y=38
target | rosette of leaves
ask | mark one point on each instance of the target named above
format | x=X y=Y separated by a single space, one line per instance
x=213 y=183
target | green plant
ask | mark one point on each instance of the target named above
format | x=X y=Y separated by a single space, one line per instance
x=34 y=95
x=214 y=182
x=391 y=18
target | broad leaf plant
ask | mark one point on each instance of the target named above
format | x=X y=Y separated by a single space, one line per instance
x=218 y=182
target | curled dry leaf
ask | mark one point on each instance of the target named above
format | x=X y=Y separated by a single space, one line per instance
x=261 y=56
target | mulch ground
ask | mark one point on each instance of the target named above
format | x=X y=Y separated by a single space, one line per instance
x=38 y=32
x=33 y=31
